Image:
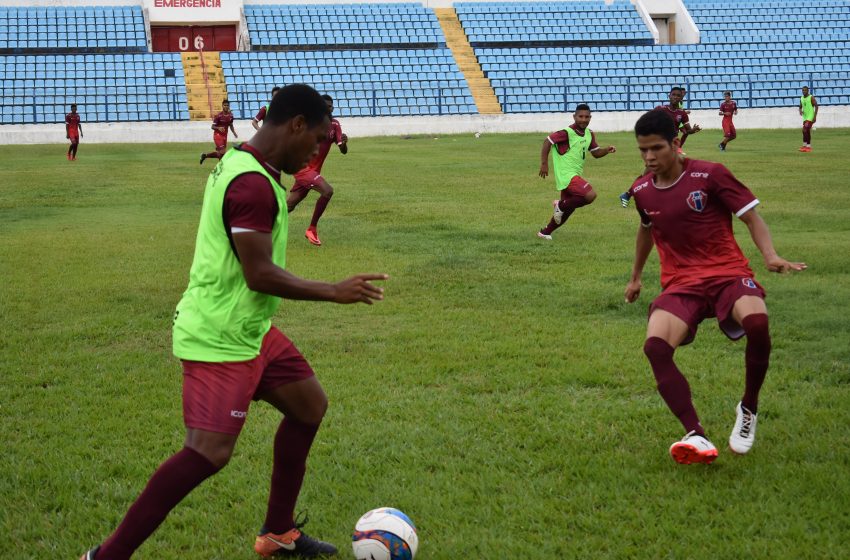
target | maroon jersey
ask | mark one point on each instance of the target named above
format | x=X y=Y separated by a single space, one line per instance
x=561 y=140
x=250 y=203
x=223 y=120
x=691 y=222
x=334 y=137
x=679 y=115
x=73 y=122
x=730 y=107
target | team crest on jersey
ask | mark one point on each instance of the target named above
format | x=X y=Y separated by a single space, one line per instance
x=748 y=282
x=697 y=200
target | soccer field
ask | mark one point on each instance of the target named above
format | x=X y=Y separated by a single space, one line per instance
x=499 y=395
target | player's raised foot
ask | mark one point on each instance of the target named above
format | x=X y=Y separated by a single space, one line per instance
x=90 y=555
x=545 y=236
x=558 y=214
x=744 y=432
x=292 y=543
x=625 y=199
x=203 y=157
x=721 y=147
x=312 y=236
x=693 y=448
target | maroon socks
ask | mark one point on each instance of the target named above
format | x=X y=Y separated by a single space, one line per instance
x=757 y=358
x=672 y=384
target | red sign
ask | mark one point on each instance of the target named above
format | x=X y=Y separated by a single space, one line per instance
x=187 y=3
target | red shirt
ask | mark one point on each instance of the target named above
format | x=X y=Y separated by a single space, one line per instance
x=261 y=114
x=73 y=122
x=730 y=107
x=224 y=120
x=691 y=222
x=561 y=139
x=679 y=116
x=250 y=202
x=334 y=137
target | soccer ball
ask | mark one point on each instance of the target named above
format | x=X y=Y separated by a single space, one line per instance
x=384 y=534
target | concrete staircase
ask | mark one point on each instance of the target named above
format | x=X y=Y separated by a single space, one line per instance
x=479 y=85
x=205 y=87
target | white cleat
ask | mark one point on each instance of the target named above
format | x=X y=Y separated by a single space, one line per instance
x=542 y=235
x=744 y=433
x=558 y=214
x=693 y=449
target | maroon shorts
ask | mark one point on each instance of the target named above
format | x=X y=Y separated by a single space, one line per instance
x=807 y=124
x=306 y=179
x=216 y=395
x=713 y=298
x=729 y=130
x=220 y=141
x=578 y=186
x=74 y=138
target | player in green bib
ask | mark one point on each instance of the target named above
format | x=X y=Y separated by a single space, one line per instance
x=569 y=148
x=231 y=353
x=809 y=112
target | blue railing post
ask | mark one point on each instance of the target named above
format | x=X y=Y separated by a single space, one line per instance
x=811 y=83
x=688 y=100
x=628 y=94
x=750 y=87
x=374 y=102
x=566 y=99
x=33 y=109
x=439 y=101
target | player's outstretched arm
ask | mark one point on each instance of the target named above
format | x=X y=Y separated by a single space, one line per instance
x=262 y=275
x=643 y=246
x=343 y=144
x=544 y=158
x=761 y=237
x=602 y=152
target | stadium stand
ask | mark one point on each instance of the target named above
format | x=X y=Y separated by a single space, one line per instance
x=538 y=24
x=374 y=59
x=342 y=25
x=72 y=30
x=106 y=87
x=764 y=73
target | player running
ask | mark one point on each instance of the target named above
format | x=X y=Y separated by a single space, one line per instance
x=728 y=109
x=809 y=112
x=221 y=123
x=261 y=114
x=569 y=148
x=680 y=117
x=310 y=177
x=686 y=209
x=73 y=132
x=230 y=351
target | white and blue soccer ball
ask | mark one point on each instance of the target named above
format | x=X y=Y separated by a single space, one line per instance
x=384 y=534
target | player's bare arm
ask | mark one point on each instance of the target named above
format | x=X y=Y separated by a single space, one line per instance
x=262 y=275
x=643 y=246
x=256 y=124
x=599 y=151
x=544 y=158
x=815 y=105
x=761 y=237
x=692 y=129
x=343 y=144
x=233 y=130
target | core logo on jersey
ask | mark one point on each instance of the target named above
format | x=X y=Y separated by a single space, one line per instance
x=697 y=200
x=641 y=186
x=748 y=282
x=699 y=174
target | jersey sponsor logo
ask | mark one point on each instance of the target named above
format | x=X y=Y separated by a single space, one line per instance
x=697 y=200
x=749 y=283
x=699 y=174
x=641 y=186
x=238 y=413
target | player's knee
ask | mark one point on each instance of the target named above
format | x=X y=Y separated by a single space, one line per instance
x=590 y=196
x=657 y=349
x=757 y=329
x=315 y=410
x=327 y=191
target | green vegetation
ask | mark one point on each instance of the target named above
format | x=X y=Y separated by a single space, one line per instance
x=499 y=395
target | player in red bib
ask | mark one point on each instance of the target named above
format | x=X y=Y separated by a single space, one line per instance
x=221 y=123
x=310 y=177
x=73 y=132
x=261 y=114
x=686 y=209
x=728 y=109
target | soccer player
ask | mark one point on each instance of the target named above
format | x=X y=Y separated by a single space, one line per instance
x=569 y=148
x=680 y=117
x=728 y=109
x=73 y=132
x=222 y=332
x=310 y=177
x=221 y=123
x=809 y=112
x=686 y=209
x=261 y=114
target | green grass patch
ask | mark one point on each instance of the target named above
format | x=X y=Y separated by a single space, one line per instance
x=499 y=395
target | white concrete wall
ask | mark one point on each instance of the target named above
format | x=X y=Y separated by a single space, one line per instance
x=686 y=30
x=96 y=133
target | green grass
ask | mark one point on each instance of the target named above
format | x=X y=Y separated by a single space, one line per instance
x=499 y=395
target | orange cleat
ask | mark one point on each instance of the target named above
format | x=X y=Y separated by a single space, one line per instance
x=693 y=449
x=312 y=236
x=292 y=543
